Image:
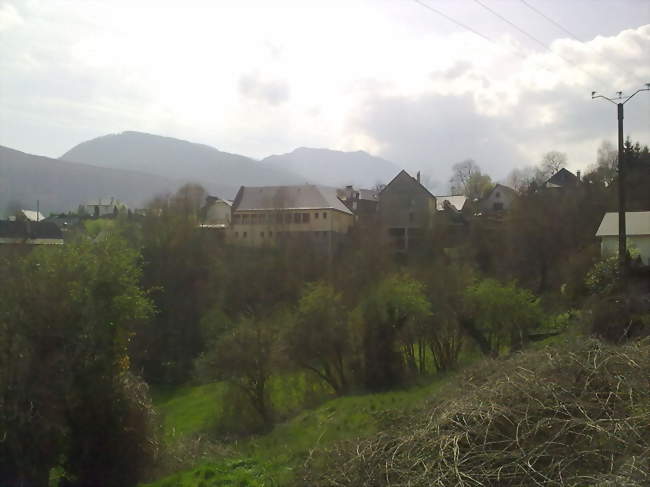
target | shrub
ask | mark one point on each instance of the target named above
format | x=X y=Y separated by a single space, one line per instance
x=569 y=415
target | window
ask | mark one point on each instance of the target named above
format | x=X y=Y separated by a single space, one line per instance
x=244 y=235
x=262 y=218
x=316 y=216
x=296 y=217
x=236 y=234
x=497 y=194
x=270 y=234
x=287 y=218
x=305 y=217
x=253 y=219
x=244 y=219
x=497 y=206
x=324 y=215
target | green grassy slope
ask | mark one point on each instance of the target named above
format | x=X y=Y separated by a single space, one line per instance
x=270 y=460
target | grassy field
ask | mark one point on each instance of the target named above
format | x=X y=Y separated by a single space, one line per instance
x=271 y=459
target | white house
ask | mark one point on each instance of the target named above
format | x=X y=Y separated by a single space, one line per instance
x=27 y=215
x=105 y=207
x=500 y=198
x=637 y=229
x=216 y=213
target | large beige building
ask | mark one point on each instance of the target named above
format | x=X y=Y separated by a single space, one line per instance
x=265 y=215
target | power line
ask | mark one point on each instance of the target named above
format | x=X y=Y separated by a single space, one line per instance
x=450 y=19
x=565 y=30
x=556 y=24
x=535 y=39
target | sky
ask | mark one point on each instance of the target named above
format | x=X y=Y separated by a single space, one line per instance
x=391 y=77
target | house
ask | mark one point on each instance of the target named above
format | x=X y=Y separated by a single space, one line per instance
x=562 y=179
x=216 y=214
x=30 y=233
x=28 y=215
x=265 y=215
x=637 y=229
x=64 y=222
x=500 y=198
x=406 y=212
x=105 y=207
x=362 y=202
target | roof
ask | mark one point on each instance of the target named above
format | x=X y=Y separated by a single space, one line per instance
x=301 y=197
x=561 y=178
x=215 y=199
x=418 y=183
x=105 y=202
x=456 y=200
x=501 y=187
x=367 y=194
x=29 y=230
x=636 y=223
x=32 y=215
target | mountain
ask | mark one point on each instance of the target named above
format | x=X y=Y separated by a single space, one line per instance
x=62 y=185
x=335 y=168
x=219 y=172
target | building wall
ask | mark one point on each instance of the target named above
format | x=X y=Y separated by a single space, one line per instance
x=503 y=199
x=405 y=210
x=609 y=246
x=218 y=213
x=258 y=228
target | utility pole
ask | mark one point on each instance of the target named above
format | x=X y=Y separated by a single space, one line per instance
x=619 y=100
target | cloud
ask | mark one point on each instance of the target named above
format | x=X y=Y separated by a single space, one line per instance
x=506 y=112
x=9 y=17
x=432 y=132
x=273 y=92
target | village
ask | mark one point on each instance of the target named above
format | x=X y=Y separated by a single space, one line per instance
x=399 y=214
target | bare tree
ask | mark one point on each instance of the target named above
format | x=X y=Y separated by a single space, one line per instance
x=552 y=162
x=468 y=179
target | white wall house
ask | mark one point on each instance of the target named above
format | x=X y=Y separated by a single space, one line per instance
x=637 y=228
x=500 y=198
x=217 y=213
x=105 y=207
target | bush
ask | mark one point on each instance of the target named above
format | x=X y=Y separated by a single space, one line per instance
x=571 y=415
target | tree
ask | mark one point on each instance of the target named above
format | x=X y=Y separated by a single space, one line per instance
x=67 y=397
x=468 y=179
x=319 y=338
x=520 y=179
x=179 y=260
x=244 y=356
x=502 y=314
x=552 y=162
x=384 y=312
x=444 y=335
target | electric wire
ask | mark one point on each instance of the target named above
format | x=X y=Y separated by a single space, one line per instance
x=536 y=40
x=568 y=32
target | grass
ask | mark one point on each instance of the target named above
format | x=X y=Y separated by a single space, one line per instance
x=272 y=459
x=189 y=409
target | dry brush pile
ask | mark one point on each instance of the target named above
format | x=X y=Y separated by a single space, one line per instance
x=574 y=415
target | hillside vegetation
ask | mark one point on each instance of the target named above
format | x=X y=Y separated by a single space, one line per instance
x=575 y=414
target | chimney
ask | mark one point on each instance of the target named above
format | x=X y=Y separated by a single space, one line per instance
x=578 y=175
x=418 y=176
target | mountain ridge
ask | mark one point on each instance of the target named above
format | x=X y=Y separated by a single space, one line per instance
x=61 y=185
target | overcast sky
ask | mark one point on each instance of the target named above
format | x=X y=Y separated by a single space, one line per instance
x=389 y=77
